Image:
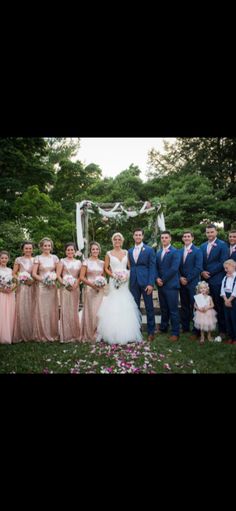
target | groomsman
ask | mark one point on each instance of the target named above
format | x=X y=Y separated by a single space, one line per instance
x=167 y=265
x=215 y=252
x=232 y=245
x=190 y=270
x=142 y=277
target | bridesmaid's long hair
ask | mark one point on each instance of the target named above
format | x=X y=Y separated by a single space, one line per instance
x=27 y=243
x=72 y=244
x=5 y=252
x=43 y=240
x=97 y=245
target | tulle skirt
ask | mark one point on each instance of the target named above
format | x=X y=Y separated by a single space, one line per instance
x=205 y=321
x=119 y=319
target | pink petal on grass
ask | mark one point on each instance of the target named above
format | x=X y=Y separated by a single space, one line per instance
x=166 y=366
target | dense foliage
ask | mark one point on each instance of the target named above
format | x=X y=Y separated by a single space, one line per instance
x=42 y=179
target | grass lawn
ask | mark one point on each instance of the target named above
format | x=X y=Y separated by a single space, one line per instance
x=160 y=356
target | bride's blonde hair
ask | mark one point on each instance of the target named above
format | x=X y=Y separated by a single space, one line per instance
x=118 y=234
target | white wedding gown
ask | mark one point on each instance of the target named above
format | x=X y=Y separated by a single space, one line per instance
x=119 y=318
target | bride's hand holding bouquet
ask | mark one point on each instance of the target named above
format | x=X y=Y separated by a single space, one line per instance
x=120 y=277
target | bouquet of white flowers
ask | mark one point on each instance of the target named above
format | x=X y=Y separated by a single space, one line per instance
x=100 y=281
x=6 y=281
x=25 y=278
x=68 y=282
x=50 y=279
x=120 y=277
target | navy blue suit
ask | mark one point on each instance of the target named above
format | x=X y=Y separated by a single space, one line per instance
x=214 y=264
x=167 y=269
x=191 y=269
x=233 y=255
x=142 y=274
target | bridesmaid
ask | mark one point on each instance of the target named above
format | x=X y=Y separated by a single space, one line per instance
x=93 y=295
x=25 y=295
x=7 y=302
x=69 y=318
x=46 y=316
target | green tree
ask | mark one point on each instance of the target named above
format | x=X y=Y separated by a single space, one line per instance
x=22 y=164
x=211 y=158
x=73 y=182
x=41 y=216
x=62 y=148
x=12 y=234
x=190 y=204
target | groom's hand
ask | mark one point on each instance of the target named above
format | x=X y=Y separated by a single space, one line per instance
x=149 y=289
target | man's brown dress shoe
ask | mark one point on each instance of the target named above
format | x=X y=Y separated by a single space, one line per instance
x=151 y=337
x=174 y=338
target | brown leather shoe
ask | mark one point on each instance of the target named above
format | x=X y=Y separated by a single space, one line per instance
x=151 y=337
x=174 y=338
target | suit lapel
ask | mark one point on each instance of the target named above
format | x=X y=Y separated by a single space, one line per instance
x=192 y=249
x=140 y=254
x=131 y=255
x=212 y=248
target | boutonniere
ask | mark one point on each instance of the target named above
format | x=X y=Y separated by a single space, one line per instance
x=167 y=251
x=190 y=251
x=214 y=245
x=142 y=249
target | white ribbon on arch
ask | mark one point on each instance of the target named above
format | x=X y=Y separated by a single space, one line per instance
x=79 y=229
x=111 y=214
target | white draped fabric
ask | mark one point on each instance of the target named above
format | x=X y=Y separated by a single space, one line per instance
x=112 y=214
x=79 y=230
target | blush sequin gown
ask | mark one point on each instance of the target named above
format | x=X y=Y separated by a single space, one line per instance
x=92 y=300
x=7 y=311
x=25 y=303
x=46 y=313
x=69 y=317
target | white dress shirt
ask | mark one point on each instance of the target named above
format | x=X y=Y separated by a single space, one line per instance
x=210 y=245
x=137 y=250
x=164 y=250
x=227 y=285
x=186 y=250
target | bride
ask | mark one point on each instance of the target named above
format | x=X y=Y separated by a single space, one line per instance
x=119 y=319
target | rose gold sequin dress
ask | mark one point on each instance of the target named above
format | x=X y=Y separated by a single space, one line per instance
x=25 y=303
x=7 y=311
x=46 y=314
x=92 y=300
x=69 y=318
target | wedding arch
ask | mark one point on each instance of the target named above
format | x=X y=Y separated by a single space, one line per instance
x=112 y=210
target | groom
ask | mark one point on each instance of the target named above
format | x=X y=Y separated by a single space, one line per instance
x=142 y=277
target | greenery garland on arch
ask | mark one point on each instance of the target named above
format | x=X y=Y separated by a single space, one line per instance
x=105 y=219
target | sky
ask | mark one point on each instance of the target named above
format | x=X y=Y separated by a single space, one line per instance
x=116 y=154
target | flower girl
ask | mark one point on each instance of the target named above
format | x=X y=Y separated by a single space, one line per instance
x=205 y=315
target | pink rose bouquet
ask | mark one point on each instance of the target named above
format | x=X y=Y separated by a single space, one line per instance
x=100 y=281
x=50 y=279
x=25 y=278
x=120 y=277
x=68 y=282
